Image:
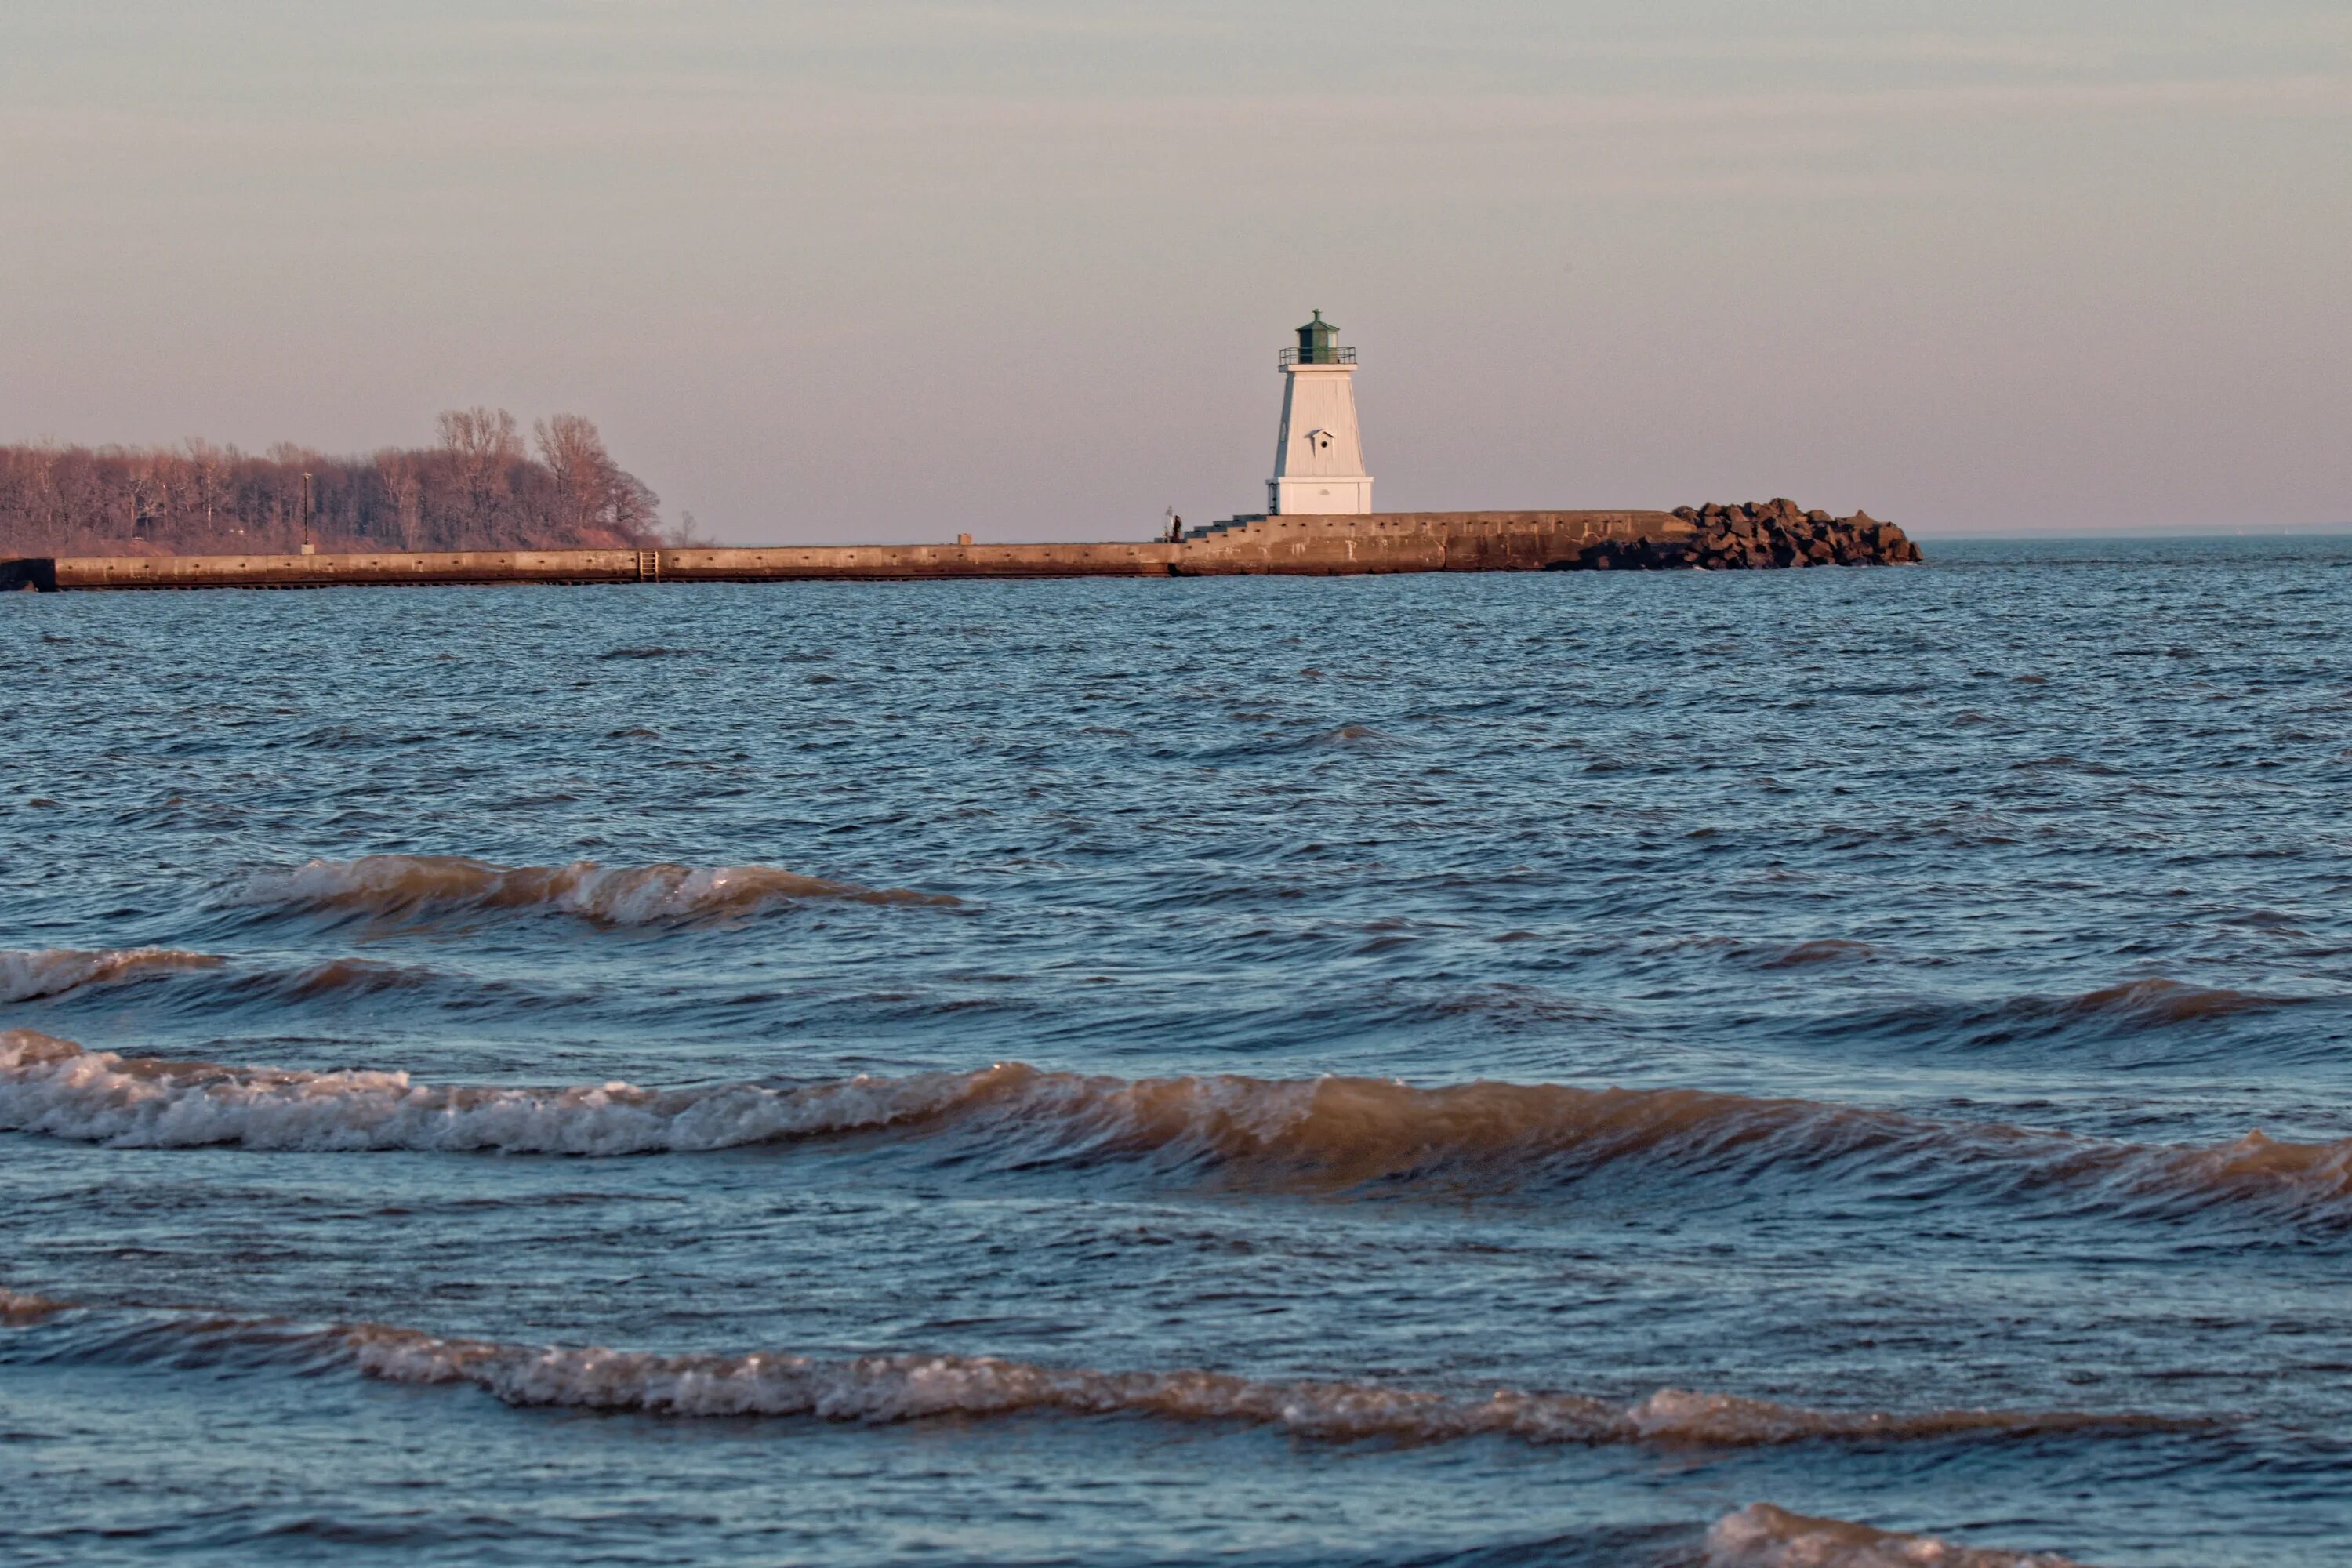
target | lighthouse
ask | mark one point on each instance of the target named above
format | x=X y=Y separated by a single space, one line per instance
x=1318 y=460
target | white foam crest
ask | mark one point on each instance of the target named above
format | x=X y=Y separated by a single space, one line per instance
x=411 y=885
x=26 y=975
x=55 y=1087
x=1763 y=1536
x=886 y=1388
x=891 y=1388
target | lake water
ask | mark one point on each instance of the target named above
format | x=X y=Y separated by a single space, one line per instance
x=1437 y=1070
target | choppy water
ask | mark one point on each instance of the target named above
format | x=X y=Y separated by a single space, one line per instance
x=1431 y=1069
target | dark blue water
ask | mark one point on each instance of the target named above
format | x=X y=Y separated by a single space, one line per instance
x=1470 y=1069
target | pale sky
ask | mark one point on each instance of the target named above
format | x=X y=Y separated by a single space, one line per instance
x=872 y=270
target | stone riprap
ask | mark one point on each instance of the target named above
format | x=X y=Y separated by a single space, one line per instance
x=1775 y=535
x=1754 y=535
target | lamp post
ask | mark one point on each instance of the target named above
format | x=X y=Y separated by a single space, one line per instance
x=307 y=548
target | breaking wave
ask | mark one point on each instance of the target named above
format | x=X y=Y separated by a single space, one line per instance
x=889 y=1388
x=419 y=887
x=54 y=971
x=1321 y=1134
x=56 y=1087
x=1763 y=1536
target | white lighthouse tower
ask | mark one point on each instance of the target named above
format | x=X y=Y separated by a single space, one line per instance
x=1319 y=462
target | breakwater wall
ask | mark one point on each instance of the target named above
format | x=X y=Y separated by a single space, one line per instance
x=1315 y=546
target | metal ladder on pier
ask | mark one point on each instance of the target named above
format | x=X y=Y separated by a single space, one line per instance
x=649 y=566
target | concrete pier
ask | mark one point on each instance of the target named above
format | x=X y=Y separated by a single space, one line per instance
x=1413 y=542
x=1308 y=546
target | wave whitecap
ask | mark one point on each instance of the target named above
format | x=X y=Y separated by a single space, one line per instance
x=1763 y=1536
x=885 y=1389
x=420 y=887
x=1322 y=1134
x=26 y=976
x=55 y=1087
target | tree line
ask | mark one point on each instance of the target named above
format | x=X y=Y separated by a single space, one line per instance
x=480 y=487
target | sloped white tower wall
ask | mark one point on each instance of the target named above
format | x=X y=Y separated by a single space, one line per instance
x=1319 y=459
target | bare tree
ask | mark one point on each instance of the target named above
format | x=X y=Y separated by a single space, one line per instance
x=204 y=463
x=634 y=511
x=397 y=471
x=147 y=494
x=574 y=453
x=485 y=444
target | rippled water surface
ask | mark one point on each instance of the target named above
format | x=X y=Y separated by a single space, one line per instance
x=1473 y=1070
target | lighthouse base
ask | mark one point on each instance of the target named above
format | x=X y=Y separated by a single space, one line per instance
x=1349 y=497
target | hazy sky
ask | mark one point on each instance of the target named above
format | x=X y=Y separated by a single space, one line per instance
x=871 y=270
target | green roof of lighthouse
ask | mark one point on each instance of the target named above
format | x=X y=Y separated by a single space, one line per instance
x=1318 y=345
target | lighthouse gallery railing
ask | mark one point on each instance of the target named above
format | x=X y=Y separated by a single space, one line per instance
x=1329 y=356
